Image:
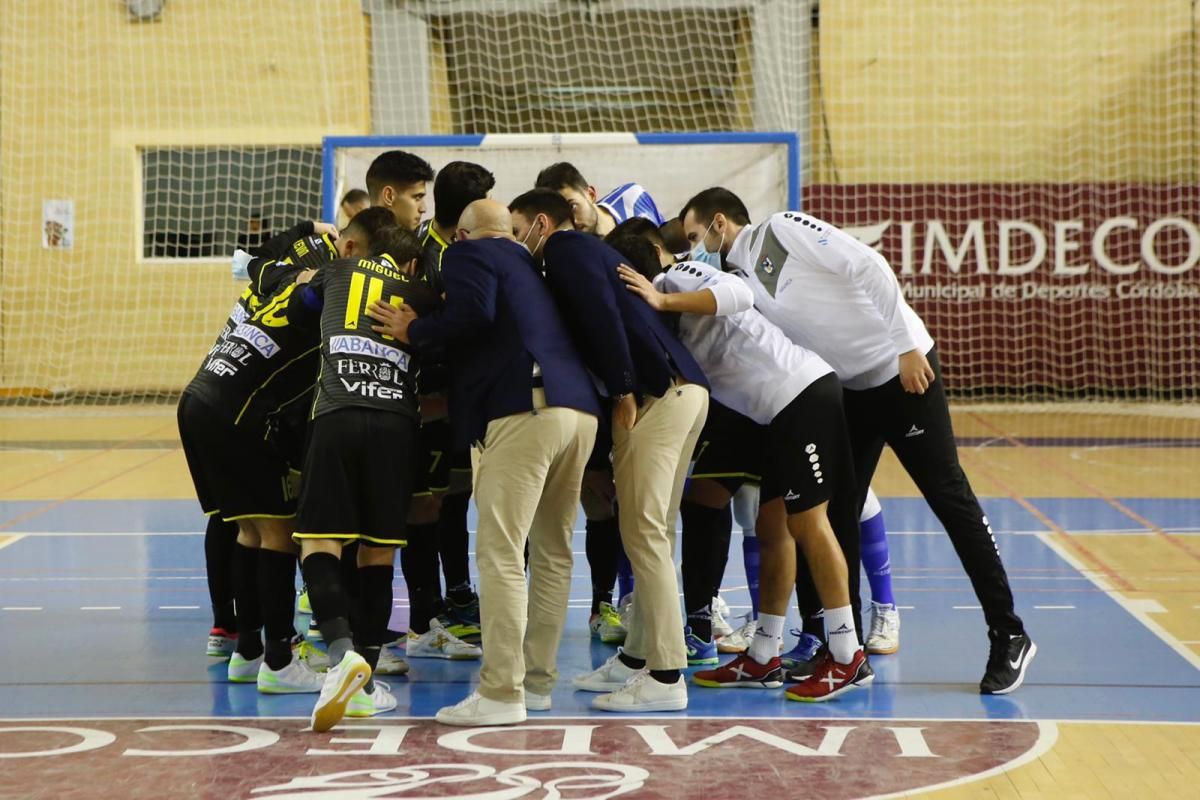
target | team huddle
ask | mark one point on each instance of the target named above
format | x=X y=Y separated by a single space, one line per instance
x=560 y=349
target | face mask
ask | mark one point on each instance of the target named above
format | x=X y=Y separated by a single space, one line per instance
x=701 y=254
x=241 y=259
x=529 y=233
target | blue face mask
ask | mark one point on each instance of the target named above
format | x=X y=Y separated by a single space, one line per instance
x=700 y=252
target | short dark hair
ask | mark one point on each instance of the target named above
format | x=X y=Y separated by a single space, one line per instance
x=674 y=237
x=370 y=221
x=717 y=200
x=354 y=196
x=638 y=251
x=542 y=201
x=556 y=176
x=459 y=184
x=401 y=244
x=396 y=168
x=638 y=226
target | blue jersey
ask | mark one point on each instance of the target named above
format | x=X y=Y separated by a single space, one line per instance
x=630 y=200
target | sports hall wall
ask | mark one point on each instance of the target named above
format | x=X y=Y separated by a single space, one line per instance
x=901 y=92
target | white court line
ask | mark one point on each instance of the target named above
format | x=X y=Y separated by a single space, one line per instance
x=1054 y=608
x=99 y=608
x=179 y=608
x=21 y=608
x=1135 y=610
x=967 y=608
x=905 y=608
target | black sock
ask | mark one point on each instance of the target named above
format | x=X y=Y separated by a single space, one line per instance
x=247 y=604
x=667 y=676
x=631 y=662
x=277 y=594
x=452 y=544
x=219 y=540
x=331 y=606
x=375 y=587
x=418 y=561
x=602 y=543
x=701 y=540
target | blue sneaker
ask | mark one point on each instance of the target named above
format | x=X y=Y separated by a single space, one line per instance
x=699 y=652
x=804 y=651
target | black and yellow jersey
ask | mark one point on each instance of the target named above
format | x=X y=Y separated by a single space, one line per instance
x=429 y=265
x=360 y=367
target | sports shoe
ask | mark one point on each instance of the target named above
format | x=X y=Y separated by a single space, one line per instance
x=720 y=610
x=643 y=693
x=478 y=710
x=606 y=626
x=243 y=671
x=438 y=642
x=459 y=630
x=739 y=640
x=221 y=643
x=742 y=673
x=296 y=678
x=625 y=610
x=608 y=677
x=341 y=683
x=1009 y=658
x=536 y=702
x=396 y=638
x=803 y=653
x=830 y=679
x=312 y=656
x=313 y=634
x=390 y=664
x=885 y=629
x=303 y=606
x=368 y=705
x=699 y=652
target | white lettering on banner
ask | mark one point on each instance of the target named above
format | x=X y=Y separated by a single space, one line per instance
x=372 y=389
x=239 y=315
x=969 y=252
x=258 y=339
x=361 y=345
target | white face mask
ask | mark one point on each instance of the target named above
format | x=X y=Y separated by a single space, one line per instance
x=529 y=233
x=700 y=252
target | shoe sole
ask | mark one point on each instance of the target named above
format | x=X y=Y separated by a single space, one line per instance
x=245 y=679
x=392 y=673
x=732 y=650
x=1021 y=675
x=326 y=716
x=367 y=714
x=443 y=656
x=506 y=718
x=661 y=705
x=703 y=662
x=864 y=683
x=876 y=650
x=597 y=687
x=736 y=684
x=286 y=690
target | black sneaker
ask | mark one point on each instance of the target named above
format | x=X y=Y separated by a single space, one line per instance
x=800 y=668
x=1007 y=662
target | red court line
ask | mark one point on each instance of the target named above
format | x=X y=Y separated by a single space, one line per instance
x=1112 y=501
x=56 y=503
x=1070 y=540
x=94 y=454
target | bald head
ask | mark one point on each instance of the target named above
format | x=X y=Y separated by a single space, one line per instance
x=485 y=219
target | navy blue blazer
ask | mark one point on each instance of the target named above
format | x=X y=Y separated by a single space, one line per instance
x=499 y=318
x=617 y=331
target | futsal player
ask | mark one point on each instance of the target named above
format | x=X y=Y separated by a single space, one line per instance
x=828 y=291
x=358 y=472
x=592 y=213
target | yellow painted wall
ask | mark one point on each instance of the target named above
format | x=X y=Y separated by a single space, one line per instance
x=1028 y=90
x=80 y=87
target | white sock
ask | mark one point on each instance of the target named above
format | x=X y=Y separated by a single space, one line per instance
x=840 y=634
x=765 y=644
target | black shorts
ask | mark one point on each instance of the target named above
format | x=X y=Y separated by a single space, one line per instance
x=432 y=468
x=237 y=474
x=358 y=477
x=807 y=449
x=730 y=449
x=601 y=456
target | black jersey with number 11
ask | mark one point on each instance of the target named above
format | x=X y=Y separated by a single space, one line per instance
x=360 y=367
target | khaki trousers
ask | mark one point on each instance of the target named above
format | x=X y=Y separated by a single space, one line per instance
x=650 y=464
x=526 y=483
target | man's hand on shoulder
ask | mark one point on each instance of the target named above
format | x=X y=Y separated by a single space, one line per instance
x=393 y=321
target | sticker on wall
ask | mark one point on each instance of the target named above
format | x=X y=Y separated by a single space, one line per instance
x=58 y=224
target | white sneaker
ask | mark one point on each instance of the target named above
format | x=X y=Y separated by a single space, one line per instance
x=720 y=610
x=296 y=678
x=390 y=664
x=478 y=710
x=368 y=705
x=608 y=677
x=739 y=640
x=438 y=642
x=643 y=693
x=313 y=656
x=885 y=630
x=536 y=702
x=341 y=682
x=243 y=671
x=625 y=610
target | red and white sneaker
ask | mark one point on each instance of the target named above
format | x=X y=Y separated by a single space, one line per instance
x=221 y=643
x=742 y=673
x=830 y=679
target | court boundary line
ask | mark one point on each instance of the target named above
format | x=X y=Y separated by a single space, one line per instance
x=662 y=716
x=1130 y=607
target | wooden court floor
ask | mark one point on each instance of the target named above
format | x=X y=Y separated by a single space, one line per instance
x=1113 y=459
